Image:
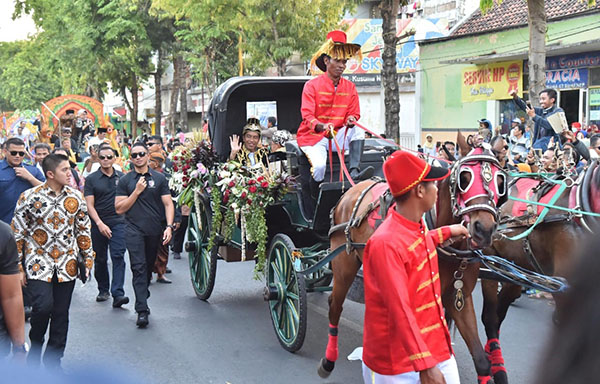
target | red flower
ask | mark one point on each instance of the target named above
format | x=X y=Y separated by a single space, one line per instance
x=231 y=184
x=225 y=199
x=249 y=201
x=264 y=184
x=175 y=168
x=260 y=178
x=243 y=195
x=252 y=189
x=251 y=182
x=174 y=158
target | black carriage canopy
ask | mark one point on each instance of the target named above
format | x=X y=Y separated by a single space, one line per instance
x=228 y=108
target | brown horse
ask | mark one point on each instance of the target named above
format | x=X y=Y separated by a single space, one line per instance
x=478 y=210
x=551 y=249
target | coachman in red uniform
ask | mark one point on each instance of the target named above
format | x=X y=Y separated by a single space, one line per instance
x=406 y=338
x=329 y=109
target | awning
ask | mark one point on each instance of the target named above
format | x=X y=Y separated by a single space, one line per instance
x=551 y=50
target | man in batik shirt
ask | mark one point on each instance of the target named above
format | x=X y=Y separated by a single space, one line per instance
x=51 y=226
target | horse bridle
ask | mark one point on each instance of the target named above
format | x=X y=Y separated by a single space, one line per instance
x=459 y=208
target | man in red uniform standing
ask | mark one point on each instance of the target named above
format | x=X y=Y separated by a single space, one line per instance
x=329 y=109
x=406 y=339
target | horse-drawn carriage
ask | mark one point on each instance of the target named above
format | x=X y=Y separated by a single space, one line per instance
x=305 y=248
x=298 y=243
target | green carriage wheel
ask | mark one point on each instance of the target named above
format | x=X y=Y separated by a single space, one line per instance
x=286 y=294
x=203 y=262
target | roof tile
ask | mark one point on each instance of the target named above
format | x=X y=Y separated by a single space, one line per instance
x=512 y=13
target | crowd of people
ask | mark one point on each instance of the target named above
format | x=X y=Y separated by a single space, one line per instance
x=67 y=206
x=535 y=147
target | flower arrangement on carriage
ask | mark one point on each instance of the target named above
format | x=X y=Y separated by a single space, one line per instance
x=192 y=163
x=243 y=193
x=246 y=193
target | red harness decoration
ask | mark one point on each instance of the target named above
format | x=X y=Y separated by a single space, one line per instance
x=524 y=191
x=494 y=352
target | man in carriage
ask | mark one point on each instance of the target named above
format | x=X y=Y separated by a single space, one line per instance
x=249 y=152
x=330 y=107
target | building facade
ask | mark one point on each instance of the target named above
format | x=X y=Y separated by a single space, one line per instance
x=467 y=75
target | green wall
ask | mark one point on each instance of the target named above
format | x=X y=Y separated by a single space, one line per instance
x=441 y=105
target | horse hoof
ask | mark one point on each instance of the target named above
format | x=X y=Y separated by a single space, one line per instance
x=500 y=378
x=325 y=368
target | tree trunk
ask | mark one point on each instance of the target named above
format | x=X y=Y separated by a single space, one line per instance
x=174 y=94
x=158 y=93
x=389 y=75
x=281 y=67
x=537 y=49
x=183 y=119
x=134 y=106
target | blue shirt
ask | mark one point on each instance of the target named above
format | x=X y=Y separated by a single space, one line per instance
x=11 y=188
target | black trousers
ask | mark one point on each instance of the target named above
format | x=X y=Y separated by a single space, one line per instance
x=179 y=235
x=50 y=302
x=142 y=255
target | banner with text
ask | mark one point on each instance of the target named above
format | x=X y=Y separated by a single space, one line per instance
x=493 y=81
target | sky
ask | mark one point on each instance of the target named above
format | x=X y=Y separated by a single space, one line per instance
x=11 y=30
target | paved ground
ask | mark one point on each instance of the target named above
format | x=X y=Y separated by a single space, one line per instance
x=230 y=339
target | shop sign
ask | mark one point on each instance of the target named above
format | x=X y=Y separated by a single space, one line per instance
x=579 y=60
x=492 y=81
x=567 y=78
x=367 y=33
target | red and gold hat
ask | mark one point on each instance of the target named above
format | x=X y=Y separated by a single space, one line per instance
x=403 y=171
x=335 y=47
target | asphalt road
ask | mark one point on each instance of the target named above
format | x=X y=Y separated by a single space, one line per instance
x=230 y=339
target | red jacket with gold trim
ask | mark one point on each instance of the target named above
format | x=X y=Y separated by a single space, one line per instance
x=323 y=103
x=404 y=328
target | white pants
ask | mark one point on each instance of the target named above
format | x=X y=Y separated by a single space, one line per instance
x=317 y=154
x=448 y=368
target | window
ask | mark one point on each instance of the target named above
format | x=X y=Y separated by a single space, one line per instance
x=594 y=77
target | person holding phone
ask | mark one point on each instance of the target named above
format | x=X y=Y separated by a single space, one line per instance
x=542 y=131
x=144 y=198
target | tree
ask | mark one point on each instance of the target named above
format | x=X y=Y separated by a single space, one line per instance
x=536 y=19
x=26 y=78
x=271 y=31
x=389 y=73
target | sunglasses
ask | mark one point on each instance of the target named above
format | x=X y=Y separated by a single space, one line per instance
x=138 y=154
x=17 y=153
x=153 y=143
x=109 y=157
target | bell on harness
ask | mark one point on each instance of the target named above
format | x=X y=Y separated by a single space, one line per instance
x=356 y=150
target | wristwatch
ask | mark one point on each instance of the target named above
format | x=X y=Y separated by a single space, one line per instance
x=23 y=348
x=172 y=226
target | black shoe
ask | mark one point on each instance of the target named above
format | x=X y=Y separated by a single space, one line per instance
x=142 y=320
x=119 y=301
x=164 y=280
x=168 y=270
x=103 y=297
x=177 y=255
x=28 y=310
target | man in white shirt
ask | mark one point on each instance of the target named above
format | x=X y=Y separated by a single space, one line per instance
x=40 y=151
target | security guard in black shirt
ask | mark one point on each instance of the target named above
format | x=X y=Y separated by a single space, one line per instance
x=143 y=196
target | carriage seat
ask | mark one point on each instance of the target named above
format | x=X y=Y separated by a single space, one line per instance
x=330 y=192
x=372 y=156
